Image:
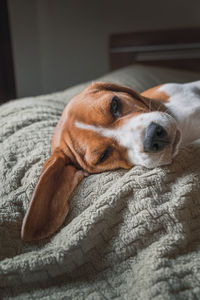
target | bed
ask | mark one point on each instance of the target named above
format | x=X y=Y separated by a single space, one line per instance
x=129 y=234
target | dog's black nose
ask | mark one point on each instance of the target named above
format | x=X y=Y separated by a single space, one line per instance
x=155 y=138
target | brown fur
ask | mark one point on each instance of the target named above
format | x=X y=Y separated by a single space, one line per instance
x=74 y=150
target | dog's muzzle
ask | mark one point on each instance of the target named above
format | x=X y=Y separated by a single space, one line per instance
x=155 y=139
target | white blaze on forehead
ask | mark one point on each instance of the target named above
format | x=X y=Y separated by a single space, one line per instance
x=131 y=134
x=133 y=128
x=102 y=131
x=125 y=135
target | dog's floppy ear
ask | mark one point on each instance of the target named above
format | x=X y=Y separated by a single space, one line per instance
x=49 y=202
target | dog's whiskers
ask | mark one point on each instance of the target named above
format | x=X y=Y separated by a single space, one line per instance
x=160 y=106
x=166 y=111
x=150 y=104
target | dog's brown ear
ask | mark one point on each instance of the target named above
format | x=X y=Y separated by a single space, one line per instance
x=49 y=202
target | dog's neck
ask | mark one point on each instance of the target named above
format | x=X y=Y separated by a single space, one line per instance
x=184 y=105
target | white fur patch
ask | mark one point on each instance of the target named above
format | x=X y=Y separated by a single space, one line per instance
x=184 y=104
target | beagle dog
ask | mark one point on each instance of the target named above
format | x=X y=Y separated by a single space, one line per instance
x=108 y=127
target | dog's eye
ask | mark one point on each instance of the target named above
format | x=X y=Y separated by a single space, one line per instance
x=104 y=155
x=115 y=107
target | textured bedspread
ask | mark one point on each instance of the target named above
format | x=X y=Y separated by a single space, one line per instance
x=129 y=235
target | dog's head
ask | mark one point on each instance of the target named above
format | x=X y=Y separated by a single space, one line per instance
x=105 y=127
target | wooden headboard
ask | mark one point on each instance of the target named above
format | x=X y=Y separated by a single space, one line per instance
x=175 y=48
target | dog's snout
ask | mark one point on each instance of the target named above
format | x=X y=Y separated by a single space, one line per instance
x=155 y=139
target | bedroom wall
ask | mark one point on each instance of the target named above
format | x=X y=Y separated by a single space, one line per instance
x=57 y=44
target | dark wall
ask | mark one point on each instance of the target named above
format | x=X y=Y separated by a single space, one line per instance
x=61 y=43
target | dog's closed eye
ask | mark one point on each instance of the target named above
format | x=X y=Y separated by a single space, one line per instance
x=104 y=155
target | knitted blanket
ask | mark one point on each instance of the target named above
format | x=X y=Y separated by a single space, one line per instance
x=129 y=234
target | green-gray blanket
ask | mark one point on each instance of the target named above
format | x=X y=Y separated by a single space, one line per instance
x=129 y=235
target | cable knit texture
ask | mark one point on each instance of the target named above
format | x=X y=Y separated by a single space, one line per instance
x=128 y=235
